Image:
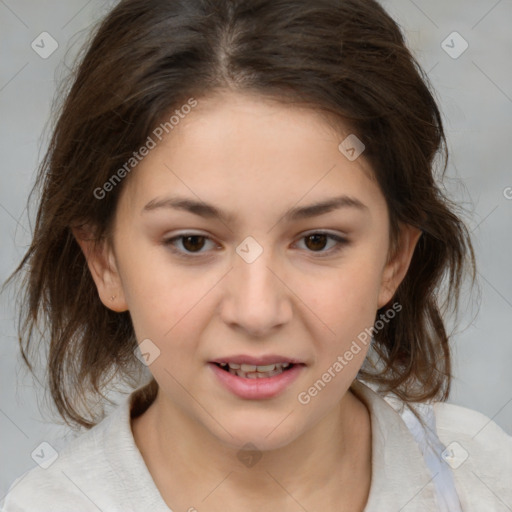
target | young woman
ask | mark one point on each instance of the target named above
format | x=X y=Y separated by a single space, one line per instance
x=239 y=218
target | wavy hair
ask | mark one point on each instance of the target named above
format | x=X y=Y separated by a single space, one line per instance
x=347 y=58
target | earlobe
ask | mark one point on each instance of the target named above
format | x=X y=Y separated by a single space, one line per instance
x=396 y=269
x=103 y=268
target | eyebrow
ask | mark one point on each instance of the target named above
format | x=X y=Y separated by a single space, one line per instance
x=206 y=210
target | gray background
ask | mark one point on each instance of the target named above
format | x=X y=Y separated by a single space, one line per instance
x=475 y=95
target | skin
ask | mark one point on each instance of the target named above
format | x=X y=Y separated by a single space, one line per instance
x=254 y=158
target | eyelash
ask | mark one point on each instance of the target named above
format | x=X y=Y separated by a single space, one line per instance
x=341 y=242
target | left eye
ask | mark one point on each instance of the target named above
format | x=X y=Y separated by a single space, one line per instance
x=315 y=241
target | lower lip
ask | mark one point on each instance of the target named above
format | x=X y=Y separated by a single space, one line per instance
x=257 y=389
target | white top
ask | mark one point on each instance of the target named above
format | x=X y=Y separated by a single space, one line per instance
x=104 y=470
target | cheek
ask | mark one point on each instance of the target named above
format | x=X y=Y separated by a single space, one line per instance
x=344 y=305
x=162 y=297
x=346 y=298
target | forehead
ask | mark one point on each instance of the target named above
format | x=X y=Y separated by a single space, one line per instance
x=254 y=120
x=237 y=148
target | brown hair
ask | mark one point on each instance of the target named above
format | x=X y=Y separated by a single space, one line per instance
x=346 y=58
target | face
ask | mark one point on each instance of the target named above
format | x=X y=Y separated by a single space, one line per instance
x=270 y=280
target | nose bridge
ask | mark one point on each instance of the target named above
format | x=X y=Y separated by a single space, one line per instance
x=258 y=296
x=255 y=276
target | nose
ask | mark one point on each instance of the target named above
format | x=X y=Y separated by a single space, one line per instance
x=257 y=300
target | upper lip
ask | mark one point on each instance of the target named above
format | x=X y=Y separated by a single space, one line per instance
x=257 y=361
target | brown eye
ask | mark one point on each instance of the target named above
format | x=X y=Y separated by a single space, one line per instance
x=316 y=241
x=191 y=244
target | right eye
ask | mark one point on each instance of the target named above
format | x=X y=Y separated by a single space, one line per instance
x=192 y=243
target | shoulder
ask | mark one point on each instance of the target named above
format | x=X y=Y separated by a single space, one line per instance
x=479 y=452
x=455 y=422
x=70 y=478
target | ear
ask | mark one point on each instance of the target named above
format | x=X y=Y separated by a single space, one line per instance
x=396 y=268
x=102 y=264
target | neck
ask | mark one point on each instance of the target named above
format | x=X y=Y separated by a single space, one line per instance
x=185 y=459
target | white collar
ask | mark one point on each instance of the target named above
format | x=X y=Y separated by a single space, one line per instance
x=400 y=477
x=400 y=480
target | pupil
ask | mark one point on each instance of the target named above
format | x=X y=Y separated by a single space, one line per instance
x=191 y=247
x=315 y=238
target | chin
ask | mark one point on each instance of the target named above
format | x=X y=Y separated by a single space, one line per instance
x=265 y=435
x=257 y=442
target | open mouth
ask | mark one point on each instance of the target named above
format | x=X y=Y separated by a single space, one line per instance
x=249 y=371
x=261 y=381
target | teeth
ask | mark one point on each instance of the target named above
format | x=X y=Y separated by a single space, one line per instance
x=266 y=368
x=248 y=368
x=250 y=371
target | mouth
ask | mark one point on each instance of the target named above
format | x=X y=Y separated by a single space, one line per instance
x=256 y=378
x=251 y=371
